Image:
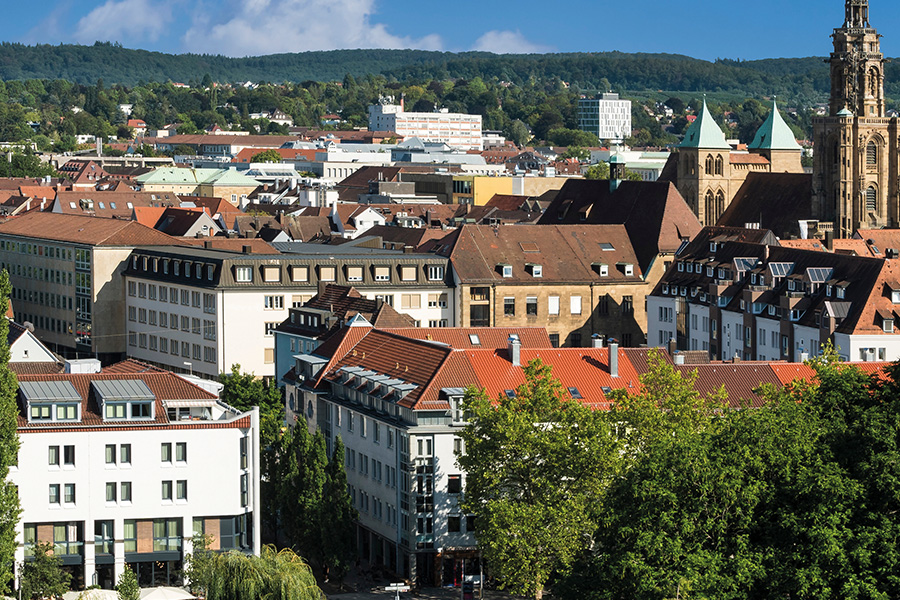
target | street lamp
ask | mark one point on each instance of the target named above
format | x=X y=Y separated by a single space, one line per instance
x=190 y=366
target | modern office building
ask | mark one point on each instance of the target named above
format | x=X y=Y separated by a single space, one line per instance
x=454 y=129
x=608 y=117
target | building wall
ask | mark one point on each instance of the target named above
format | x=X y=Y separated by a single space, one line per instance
x=609 y=118
x=212 y=472
x=486 y=187
x=231 y=194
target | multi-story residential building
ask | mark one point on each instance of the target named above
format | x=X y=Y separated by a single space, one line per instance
x=123 y=468
x=224 y=184
x=454 y=129
x=202 y=311
x=738 y=294
x=66 y=277
x=395 y=403
x=607 y=117
x=574 y=280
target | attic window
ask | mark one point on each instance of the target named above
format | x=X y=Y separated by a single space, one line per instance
x=506 y=270
x=576 y=395
x=681 y=267
x=474 y=339
x=712 y=246
x=112 y=205
x=537 y=271
x=606 y=247
x=606 y=389
x=511 y=394
x=887 y=324
x=841 y=292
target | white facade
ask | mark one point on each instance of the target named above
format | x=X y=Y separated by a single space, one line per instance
x=454 y=129
x=608 y=117
x=96 y=491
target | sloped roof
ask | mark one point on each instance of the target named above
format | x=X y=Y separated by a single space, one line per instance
x=655 y=215
x=461 y=338
x=704 y=133
x=777 y=201
x=774 y=134
x=85 y=230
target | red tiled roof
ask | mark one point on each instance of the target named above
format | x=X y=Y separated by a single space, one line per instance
x=85 y=230
x=488 y=337
x=748 y=159
x=36 y=368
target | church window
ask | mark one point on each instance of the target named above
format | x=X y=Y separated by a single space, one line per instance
x=871 y=199
x=720 y=204
x=709 y=165
x=837 y=152
x=871 y=154
x=720 y=165
x=710 y=215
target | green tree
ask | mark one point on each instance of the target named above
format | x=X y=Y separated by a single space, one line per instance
x=267 y=156
x=572 y=137
x=537 y=466
x=127 y=588
x=24 y=165
x=518 y=133
x=199 y=565
x=44 y=577
x=9 y=444
x=598 y=171
x=274 y=575
x=338 y=516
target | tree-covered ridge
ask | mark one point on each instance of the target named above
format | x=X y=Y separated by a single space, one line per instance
x=799 y=79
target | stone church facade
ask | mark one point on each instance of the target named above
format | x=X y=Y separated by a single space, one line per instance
x=856 y=166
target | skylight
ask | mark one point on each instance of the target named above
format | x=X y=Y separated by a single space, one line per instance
x=573 y=391
x=474 y=339
x=511 y=394
x=606 y=247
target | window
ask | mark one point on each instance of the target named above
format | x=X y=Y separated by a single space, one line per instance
x=453 y=524
x=506 y=270
x=270 y=328
x=54 y=493
x=181 y=452
x=166 y=452
x=185 y=297
x=575 y=305
x=125 y=491
x=243 y=274
x=69 y=455
x=531 y=306
x=271 y=274
x=382 y=273
x=435 y=273
x=299 y=274
x=274 y=302
x=410 y=301
x=327 y=274
x=407 y=273
x=69 y=493
x=111 y=492
x=627 y=305
x=509 y=307
x=553 y=305
x=209 y=304
x=110 y=454
x=871 y=199
x=53 y=456
x=454 y=484
x=167 y=490
x=125 y=454
x=354 y=273
x=181 y=489
x=537 y=271
x=871 y=154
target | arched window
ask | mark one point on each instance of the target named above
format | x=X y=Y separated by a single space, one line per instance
x=709 y=214
x=871 y=199
x=709 y=164
x=874 y=83
x=720 y=165
x=720 y=204
x=836 y=153
x=871 y=153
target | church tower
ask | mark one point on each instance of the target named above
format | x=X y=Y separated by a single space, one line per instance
x=855 y=165
x=704 y=168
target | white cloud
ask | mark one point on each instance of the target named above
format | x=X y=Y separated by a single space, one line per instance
x=125 y=21
x=508 y=42
x=258 y=27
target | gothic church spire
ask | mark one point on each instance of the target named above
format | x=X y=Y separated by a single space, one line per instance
x=857 y=14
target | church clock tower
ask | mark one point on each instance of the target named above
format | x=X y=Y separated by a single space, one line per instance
x=854 y=156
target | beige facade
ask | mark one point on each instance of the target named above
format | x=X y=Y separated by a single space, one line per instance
x=231 y=194
x=857 y=164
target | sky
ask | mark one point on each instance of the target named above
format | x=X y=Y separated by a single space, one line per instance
x=704 y=29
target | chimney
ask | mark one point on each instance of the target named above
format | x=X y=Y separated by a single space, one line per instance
x=679 y=358
x=613 y=357
x=208 y=245
x=515 y=351
x=248 y=249
x=596 y=341
x=804 y=355
x=829 y=240
x=673 y=347
x=409 y=249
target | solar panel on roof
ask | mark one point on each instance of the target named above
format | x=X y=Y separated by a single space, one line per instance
x=745 y=264
x=781 y=269
x=819 y=274
x=122 y=389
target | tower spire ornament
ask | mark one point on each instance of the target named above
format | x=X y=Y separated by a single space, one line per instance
x=857 y=14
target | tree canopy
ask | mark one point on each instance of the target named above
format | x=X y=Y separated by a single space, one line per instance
x=9 y=444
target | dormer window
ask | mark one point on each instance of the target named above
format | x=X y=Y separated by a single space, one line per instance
x=51 y=401
x=128 y=399
x=710 y=271
x=506 y=270
x=888 y=325
x=681 y=266
x=628 y=269
x=721 y=273
x=665 y=288
x=841 y=292
x=713 y=246
x=895 y=296
x=791 y=285
x=537 y=271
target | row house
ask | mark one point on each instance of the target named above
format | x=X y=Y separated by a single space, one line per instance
x=200 y=310
x=122 y=469
x=757 y=300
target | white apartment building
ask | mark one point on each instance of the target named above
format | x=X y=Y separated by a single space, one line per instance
x=607 y=117
x=454 y=129
x=123 y=468
x=200 y=311
x=737 y=294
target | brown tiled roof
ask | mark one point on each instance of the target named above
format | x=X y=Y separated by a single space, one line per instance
x=747 y=159
x=103 y=202
x=131 y=366
x=565 y=252
x=777 y=201
x=85 y=230
x=655 y=215
x=740 y=380
x=488 y=337
x=36 y=368
x=213 y=205
x=506 y=202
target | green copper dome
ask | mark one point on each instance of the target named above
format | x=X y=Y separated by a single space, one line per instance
x=774 y=134
x=704 y=133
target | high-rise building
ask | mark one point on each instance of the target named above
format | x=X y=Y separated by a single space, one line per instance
x=454 y=129
x=607 y=117
x=856 y=166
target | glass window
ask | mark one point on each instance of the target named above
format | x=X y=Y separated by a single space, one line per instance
x=54 y=493
x=110 y=454
x=166 y=452
x=69 y=455
x=130 y=535
x=166 y=491
x=125 y=454
x=181 y=452
x=126 y=491
x=181 y=490
x=69 y=490
x=110 y=492
x=243 y=274
x=531 y=306
x=53 y=455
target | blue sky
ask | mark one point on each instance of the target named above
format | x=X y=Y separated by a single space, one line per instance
x=704 y=28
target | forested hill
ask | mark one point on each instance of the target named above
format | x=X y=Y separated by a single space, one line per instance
x=800 y=79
